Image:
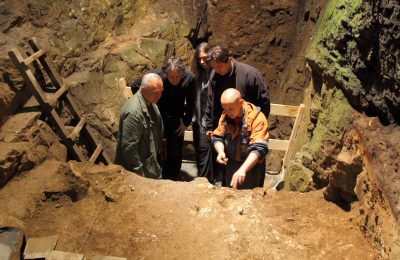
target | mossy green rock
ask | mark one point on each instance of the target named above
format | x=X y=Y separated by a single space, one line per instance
x=335 y=117
x=146 y=52
x=356 y=48
x=298 y=178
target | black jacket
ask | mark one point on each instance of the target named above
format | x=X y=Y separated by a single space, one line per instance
x=176 y=101
x=245 y=78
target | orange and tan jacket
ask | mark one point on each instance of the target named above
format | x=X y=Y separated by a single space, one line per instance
x=249 y=135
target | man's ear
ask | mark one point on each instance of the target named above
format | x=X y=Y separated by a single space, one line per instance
x=241 y=101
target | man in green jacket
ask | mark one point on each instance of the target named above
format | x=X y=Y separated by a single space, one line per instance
x=140 y=132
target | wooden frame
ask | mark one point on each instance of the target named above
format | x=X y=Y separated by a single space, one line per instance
x=48 y=101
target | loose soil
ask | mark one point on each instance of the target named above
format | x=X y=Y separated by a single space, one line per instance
x=105 y=210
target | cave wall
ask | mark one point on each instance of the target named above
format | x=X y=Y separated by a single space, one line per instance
x=352 y=135
x=92 y=43
x=357 y=48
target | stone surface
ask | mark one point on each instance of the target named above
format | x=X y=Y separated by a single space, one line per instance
x=26 y=142
x=18 y=125
x=60 y=255
x=298 y=178
x=356 y=47
x=40 y=247
x=99 y=257
x=11 y=241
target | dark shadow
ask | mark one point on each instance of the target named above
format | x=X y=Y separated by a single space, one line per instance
x=184 y=176
x=279 y=187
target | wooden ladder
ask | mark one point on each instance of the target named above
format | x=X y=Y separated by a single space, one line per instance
x=49 y=100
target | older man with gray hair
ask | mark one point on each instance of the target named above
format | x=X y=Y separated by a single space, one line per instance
x=140 y=132
x=176 y=106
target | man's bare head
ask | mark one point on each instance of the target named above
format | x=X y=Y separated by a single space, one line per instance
x=231 y=102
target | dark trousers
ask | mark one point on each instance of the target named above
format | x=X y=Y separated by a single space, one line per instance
x=254 y=178
x=203 y=149
x=172 y=165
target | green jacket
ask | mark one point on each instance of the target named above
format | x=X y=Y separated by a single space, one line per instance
x=140 y=137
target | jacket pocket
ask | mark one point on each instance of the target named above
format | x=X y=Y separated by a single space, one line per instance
x=151 y=168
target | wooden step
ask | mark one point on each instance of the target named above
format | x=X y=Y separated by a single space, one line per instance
x=34 y=56
x=75 y=133
x=96 y=153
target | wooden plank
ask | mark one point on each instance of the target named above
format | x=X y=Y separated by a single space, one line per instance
x=73 y=149
x=51 y=72
x=125 y=91
x=276 y=144
x=295 y=131
x=74 y=134
x=188 y=137
x=34 y=56
x=96 y=153
x=53 y=99
x=27 y=75
x=284 y=110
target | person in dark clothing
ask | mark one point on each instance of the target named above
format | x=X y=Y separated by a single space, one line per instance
x=176 y=107
x=229 y=73
x=201 y=70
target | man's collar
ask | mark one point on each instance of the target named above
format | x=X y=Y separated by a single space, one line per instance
x=233 y=67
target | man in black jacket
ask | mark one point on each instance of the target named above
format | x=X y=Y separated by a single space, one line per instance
x=229 y=73
x=176 y=107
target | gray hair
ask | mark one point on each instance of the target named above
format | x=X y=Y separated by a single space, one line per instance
x=148 y=78
x=174 y=63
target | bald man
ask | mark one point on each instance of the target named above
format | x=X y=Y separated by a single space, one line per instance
x=241 y=141
x=140 y=132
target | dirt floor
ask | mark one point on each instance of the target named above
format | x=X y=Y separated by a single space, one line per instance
x=99 y=210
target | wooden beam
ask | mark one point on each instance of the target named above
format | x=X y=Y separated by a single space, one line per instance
x=126 y=92
x=34 y=56
x=276 y=144
x=295 y=132
x=96 y=153
x=284 y=110
x=72 y=136
x=53 y=98
x=188 y=137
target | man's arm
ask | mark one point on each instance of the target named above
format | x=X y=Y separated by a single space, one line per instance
x=190 y=96
x=207 y=118
x=262 y=94
x=132 y=131
x=220 y=149
x=240 y=175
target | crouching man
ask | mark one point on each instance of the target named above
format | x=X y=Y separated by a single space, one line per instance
x=241 y=141
x=140 y=132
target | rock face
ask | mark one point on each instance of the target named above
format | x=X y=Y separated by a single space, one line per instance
x=353 y=56
x=357 y=48
x=26 y=142
x=352 y=154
